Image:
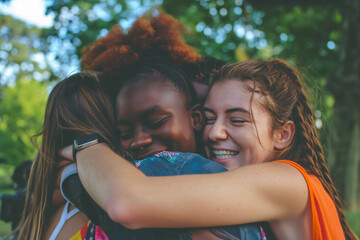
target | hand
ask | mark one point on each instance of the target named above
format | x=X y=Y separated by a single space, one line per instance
x=66 y=152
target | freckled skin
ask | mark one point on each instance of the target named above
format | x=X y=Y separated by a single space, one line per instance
x=152 y=117
x=227 y=129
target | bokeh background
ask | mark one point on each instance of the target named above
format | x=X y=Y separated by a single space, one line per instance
x=41 y=43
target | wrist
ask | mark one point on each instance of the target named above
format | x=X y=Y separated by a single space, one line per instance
x=83 y=143
x=94 y=151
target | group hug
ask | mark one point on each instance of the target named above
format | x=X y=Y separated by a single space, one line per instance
x=153 y=141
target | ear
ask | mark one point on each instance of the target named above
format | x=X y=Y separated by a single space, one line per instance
x=284 y=135
x=197 y=117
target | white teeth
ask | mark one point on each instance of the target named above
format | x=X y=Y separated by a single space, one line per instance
x=221 y=154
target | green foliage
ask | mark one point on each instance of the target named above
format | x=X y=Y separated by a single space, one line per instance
x=22 y=49
x=5 y=228
x=6 y=187
x=5 y=176
x=21 y=111
x=23 y=60
x=353 y=218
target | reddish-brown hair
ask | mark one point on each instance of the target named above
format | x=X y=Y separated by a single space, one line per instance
x=285 y=99
x=117 y=54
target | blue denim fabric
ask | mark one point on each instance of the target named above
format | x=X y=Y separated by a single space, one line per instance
x=176 y=163
x=161 y=164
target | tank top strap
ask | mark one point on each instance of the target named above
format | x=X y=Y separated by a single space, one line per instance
x=65 y=215
x=72 y=213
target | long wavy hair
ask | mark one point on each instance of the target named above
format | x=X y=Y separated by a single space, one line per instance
x=77 y=106
x=285 y=99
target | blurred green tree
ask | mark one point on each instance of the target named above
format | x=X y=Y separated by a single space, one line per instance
x=344 y=85
x=24 y=72
x=23 y=51
x=21 y=116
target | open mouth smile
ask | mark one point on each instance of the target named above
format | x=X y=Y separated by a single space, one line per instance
x=222 y=154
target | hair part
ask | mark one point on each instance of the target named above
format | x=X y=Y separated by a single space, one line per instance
x=285 y=99
x=77 y=106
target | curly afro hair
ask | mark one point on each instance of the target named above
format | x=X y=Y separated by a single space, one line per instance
x=117 y=55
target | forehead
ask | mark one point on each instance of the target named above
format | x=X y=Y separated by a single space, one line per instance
x=229 y=93
x=232 y=94
x=142 y=95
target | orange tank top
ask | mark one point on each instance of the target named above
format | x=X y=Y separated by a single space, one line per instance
x=325 y=220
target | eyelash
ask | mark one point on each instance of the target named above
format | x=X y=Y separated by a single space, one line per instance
x=210 y=120
x=125 y=135
x=158 y=124
x=237 y=121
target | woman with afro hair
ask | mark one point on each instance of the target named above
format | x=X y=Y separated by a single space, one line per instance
x=146 y=72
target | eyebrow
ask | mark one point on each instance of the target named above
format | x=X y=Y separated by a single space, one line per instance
x=145 y=114
x=231 y=110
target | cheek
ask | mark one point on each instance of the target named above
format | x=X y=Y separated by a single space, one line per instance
x=244 y=137
x=181 y=136
x=265 y=135
x=205 y=133
x=170 y=132
x=181 y=127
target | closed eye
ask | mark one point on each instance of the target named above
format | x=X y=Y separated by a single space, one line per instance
x=210 y=120
x=158 y=123
x=237 y=120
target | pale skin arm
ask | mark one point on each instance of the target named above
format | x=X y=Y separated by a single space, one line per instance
x=259 y=192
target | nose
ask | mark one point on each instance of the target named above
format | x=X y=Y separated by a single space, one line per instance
x=141 y=140
x=217 y=132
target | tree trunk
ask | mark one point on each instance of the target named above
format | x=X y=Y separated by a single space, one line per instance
x=344 y=153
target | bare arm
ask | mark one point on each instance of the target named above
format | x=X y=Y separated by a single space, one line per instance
x=261 y=192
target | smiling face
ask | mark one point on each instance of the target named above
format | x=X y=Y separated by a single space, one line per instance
x=152 y=117
x=230 y=134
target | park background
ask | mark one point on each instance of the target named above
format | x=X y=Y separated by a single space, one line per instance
x=321 y=38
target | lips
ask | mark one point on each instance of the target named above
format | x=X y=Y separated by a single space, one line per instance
x=223 y=154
